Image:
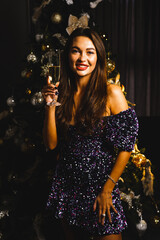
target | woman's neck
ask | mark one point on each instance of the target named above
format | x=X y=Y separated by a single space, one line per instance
x=82 y=83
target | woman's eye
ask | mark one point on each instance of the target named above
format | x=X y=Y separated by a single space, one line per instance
x=90 y=52
x=75 y=51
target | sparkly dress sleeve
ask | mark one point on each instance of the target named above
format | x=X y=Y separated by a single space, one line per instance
x=121 y=130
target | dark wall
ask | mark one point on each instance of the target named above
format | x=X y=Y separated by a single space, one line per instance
x=13 y=43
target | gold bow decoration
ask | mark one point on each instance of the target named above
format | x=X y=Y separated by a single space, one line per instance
x=74 y=23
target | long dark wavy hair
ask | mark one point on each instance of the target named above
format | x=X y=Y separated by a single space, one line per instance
x=93 y=102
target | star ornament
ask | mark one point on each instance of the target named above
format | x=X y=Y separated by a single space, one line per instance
x=74 y=23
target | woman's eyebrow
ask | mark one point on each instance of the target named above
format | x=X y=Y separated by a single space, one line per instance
x=75 y=47
x=91 y=49
x=86 y=48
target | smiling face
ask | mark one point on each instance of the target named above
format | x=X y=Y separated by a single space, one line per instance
x=82 y=56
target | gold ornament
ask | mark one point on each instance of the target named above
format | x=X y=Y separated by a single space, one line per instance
x=37 y=99
x=32 y=57
x=56 y=18
x=74 y=23
x=110 y=65
x=11 y=101
x=139 y=160
x=28 y=91
x=45 y=47
x=29 y=74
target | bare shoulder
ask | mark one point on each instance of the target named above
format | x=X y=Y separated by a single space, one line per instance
x=116 y=99
x=113 y=90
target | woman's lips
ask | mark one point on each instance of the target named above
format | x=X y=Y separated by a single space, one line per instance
x=81 y=67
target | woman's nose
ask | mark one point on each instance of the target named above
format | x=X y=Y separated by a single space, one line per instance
x=82 y=57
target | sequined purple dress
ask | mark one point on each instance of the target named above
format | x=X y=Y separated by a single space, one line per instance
x=82 y=171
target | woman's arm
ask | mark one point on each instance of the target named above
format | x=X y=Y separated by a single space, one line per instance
x=116 y=103
x=108 y=187
x=49 y=128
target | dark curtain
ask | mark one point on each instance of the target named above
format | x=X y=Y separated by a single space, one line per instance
x=133 y=28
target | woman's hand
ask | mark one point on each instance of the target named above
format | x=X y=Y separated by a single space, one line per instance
x=104 y=202
x=50 y=92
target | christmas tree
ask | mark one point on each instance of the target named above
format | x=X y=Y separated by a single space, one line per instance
x=26 y=175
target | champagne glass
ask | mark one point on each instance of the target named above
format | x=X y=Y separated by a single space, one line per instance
x=54 y=73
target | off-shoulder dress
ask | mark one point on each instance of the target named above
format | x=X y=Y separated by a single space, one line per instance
x=85 y=162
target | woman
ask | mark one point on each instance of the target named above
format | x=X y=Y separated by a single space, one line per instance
x=95 y=132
